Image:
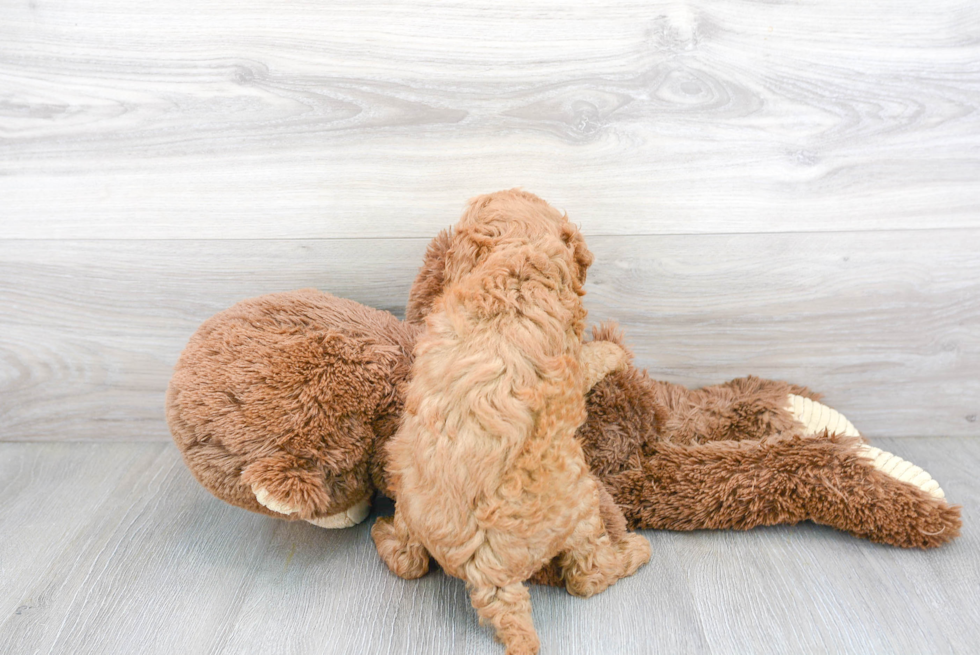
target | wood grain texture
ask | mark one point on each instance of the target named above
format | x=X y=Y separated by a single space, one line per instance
x=90 y=330
x=221 y=118
x=115 y=548
x=887 y=324
x=783 y=189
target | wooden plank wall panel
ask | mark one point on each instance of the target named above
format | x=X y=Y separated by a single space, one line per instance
x=148 y=562
x=218 y=118
x=90 y=330
x=886 y=323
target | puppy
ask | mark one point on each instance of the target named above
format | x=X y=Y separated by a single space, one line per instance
x=488 y=477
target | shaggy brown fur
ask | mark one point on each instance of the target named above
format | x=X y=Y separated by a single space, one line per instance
x=488 y=477
x=722 y=457
x=729 y=456
x=660 y=479
x=288 y=392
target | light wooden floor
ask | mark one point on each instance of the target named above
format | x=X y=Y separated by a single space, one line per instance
x=114 y=548
x=785 y=189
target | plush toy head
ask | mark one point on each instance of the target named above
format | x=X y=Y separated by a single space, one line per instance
x=276 y=402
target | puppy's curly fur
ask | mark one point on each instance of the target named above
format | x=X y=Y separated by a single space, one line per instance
x=487 y=474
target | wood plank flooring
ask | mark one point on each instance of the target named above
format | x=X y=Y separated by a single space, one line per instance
x=114 y=548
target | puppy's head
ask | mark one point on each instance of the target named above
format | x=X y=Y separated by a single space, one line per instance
x=495 y=225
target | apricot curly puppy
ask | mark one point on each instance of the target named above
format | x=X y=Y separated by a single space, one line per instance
x=487 y=474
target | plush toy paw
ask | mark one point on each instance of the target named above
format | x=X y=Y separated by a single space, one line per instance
x=346 y=519
x=817 y=417
x=404 y=557
x=266 y=500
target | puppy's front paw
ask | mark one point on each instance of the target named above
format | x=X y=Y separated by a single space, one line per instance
x=600 y=358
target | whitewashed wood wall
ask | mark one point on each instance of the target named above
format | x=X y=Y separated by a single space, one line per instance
x=785 y=189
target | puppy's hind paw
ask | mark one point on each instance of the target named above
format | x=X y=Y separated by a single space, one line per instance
x=404 y=558
x=636 y=551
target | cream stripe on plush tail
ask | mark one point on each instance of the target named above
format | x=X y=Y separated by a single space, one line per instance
x=817 y=417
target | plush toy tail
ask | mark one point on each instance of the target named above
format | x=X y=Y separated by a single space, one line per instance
x=751 y=452
x=827 y=479
x=816 y=419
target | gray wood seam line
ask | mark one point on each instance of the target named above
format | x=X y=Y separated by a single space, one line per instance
x=115 y=548
x=886 y=324
x=207 y=119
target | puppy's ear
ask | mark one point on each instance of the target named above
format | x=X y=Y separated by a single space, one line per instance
x=468 y=248
x=471 y=241
x=430 y=280
x=581 y=255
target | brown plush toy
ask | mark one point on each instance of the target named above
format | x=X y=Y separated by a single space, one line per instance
x=282 y=405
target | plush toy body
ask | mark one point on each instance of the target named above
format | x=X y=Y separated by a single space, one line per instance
x=282 y=404
x=752 y=452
